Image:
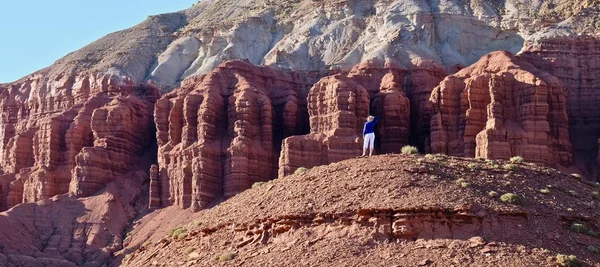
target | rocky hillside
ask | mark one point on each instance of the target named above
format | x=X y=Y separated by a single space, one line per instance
x=194 y=107
x=391 y=210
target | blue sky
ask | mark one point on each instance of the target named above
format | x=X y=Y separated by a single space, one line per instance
x=35 y=33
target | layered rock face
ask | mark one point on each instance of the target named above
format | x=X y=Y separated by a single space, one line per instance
x=339 y=104
x=68 y=231
x=576 y=62
x=73 y=134
x=501 y=107
x=222 y=132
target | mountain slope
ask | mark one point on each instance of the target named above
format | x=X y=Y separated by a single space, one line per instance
x=390 y=210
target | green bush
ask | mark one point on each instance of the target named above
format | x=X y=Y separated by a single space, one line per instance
x=257 y=184
x=300 y=171
x=567 y=260
x=409 y=150
x=578 y=228
x=510 y=198
x=493 y=194
x=472 y=166
x=517 y=159
x=491 y=162
x=176 y=232
x=593 y=249
x=511 y=167
x=226 y=256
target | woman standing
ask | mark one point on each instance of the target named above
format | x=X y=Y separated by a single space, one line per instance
x=369 y=135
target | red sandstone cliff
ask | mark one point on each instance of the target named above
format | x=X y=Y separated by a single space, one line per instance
x=338 y=106
x=220 y=133
x=576 y=62
x=501 y=107
x=74 y=134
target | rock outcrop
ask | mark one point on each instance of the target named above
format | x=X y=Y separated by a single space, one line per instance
x=69 y=231
x=576 y=62
x=220 y=133
x=501 y=107
x=338 y=106
x=71 y=134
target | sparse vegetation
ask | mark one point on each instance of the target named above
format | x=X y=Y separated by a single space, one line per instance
x=517 y=159
x=189 y=250
x=595 y=194
x=578 y=228
x=510 y=198
x=511 y=167
x=462 y=183
x=567 y=260
x=593 y=249
x=545 y=191
x=300 y=171
x=472 y=166
x=176 y=232
x=409 y=150
x=147 y=243
x=576 y=175
x=573 y=193
x=257 y=184
x=226 y=256
x=491 y=162
x=493 y=194
x=430 y=157
x=581 y=228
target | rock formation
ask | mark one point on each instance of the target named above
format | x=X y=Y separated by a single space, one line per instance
x=92 y=120
x=75 y=134
x=501 y=107
x=220 y=133
x=576 y=62
x=69 y=231
x=338 y=106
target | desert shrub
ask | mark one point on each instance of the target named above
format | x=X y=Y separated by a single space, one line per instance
x=472 y=166
x=493 y=194
x=409 y=150
x=300 y=171
x=147 y=243
x=510 y=198
x=511 y=167
x=430 y=157
x=593 y=249
x=462 y=183
x=189 y=250
x=517 y=159
x=226 y=256
x=545 y=191
x=578 y=228
x=257 y=184
x=573 y=193
x=176 y=232
x=576 y=175
x=595 y=194
x=567 y=260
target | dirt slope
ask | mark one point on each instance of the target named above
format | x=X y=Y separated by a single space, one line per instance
x=389 y=210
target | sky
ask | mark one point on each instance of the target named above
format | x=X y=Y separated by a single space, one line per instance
x=35 y=33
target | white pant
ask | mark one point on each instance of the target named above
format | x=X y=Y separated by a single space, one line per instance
x=369 y=141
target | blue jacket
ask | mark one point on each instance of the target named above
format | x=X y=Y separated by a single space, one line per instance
x=370 y=126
